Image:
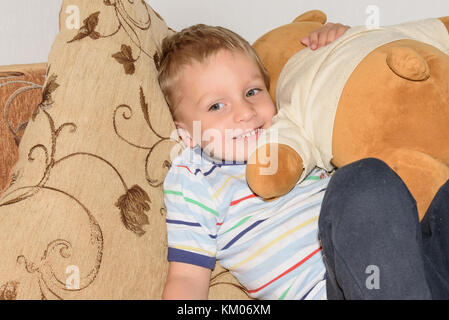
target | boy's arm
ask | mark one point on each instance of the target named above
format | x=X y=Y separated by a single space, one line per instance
x=324 y=35
x=186 y=282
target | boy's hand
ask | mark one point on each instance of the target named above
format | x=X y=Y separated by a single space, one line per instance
x=324 y=35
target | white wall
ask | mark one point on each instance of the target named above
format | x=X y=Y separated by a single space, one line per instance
x=27 y=30
x=252 y=18
x=28 y=27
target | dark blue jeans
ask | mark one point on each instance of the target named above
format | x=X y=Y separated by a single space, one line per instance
x=373 y=244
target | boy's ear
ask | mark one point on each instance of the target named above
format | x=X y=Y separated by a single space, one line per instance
x=184 y=134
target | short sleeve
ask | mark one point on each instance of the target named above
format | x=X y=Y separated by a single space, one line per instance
x=191 y=218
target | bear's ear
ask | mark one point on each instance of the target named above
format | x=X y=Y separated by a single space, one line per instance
x=312 y=16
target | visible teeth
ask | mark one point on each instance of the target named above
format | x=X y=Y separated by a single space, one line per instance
x=248 y=134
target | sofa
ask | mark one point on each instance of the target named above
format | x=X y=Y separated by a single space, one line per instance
x=86 y=141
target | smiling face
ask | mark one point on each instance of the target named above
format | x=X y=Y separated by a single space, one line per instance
x=223 y=105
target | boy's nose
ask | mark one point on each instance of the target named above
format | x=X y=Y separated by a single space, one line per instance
x=245 y=112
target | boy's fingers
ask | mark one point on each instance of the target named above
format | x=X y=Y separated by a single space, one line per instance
x=313 y=40
x=323 y=34
x=305 y=41
x=331 y=36
x=322 y=39
x=341 y=30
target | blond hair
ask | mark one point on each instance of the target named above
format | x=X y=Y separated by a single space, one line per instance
x=197 y=43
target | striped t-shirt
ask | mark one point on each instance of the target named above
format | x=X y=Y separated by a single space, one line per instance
x=271 y=247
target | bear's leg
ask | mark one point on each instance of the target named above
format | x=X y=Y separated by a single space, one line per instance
x=422 y=174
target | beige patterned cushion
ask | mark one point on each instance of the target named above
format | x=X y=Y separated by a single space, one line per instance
x=84 y=218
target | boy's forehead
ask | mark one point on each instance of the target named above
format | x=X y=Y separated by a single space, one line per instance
x=219 y=60
x=215 y=58
x=188 y=76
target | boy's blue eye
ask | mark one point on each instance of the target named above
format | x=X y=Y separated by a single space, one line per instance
x=252 y=92
x=216 y=106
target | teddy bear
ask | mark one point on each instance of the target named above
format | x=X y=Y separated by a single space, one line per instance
x=374 y=92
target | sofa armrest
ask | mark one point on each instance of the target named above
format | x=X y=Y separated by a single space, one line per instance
x=20 y=93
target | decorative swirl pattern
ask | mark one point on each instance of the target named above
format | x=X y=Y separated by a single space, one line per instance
x=134 y=203
x=125 y=22
x=127 y=114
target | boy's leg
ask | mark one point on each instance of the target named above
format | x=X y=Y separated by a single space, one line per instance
x=435 y=231
x=371 y=236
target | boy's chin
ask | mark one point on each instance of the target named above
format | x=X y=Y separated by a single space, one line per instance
x=232 y=159
x=236 y=154
x=229 y=157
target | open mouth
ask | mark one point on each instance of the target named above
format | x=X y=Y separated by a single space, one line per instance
x=249 y=133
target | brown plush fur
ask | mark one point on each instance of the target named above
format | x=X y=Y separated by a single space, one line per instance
x=411 y=145
x=369 y=120
x=20 y=110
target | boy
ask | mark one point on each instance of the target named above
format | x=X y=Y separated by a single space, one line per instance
x=217 y=91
